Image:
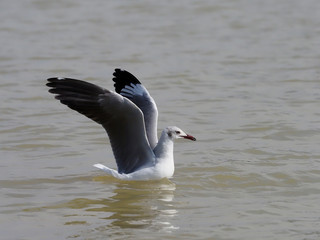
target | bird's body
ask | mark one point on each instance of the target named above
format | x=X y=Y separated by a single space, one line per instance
x=129 y=117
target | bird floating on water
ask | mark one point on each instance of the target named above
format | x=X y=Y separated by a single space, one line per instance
x=130 y=118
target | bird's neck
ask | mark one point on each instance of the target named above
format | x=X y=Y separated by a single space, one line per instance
x=164 y=148
x=164 y=156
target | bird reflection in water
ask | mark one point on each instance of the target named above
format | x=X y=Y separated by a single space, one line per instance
x=132 y=205
x=140 y=205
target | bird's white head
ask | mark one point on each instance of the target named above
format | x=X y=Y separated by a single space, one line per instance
x=175 y=132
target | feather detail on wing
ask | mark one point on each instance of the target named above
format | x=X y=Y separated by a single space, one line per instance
x=120 y=117
x=130 y=87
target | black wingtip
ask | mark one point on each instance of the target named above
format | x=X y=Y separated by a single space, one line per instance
x=60 y=85
x=51 y=81
x=123 y=78
x=55 y=79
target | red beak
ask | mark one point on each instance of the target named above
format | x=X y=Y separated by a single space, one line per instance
x=190 y=137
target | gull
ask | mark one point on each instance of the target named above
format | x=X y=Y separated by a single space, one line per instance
x=129 y=115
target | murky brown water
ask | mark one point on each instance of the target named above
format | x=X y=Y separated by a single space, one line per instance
x=241 y=76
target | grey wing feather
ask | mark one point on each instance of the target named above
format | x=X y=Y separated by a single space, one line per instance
x=130 y=87
x=121 y=118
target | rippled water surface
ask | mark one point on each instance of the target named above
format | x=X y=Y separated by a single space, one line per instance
x=241 y=76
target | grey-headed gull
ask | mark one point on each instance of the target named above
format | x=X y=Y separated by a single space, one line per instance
x=129 y=117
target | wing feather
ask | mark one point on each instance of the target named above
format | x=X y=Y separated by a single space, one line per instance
x=130 y=87
x=121 y=118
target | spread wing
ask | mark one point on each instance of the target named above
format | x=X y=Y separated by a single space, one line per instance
x=120 y=117
x=130 y=87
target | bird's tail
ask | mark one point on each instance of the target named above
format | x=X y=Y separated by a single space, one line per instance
x=109 y=171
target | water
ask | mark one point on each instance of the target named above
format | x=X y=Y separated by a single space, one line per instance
x=241 y=76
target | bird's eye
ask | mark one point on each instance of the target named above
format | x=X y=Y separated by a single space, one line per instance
x=178 y=132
